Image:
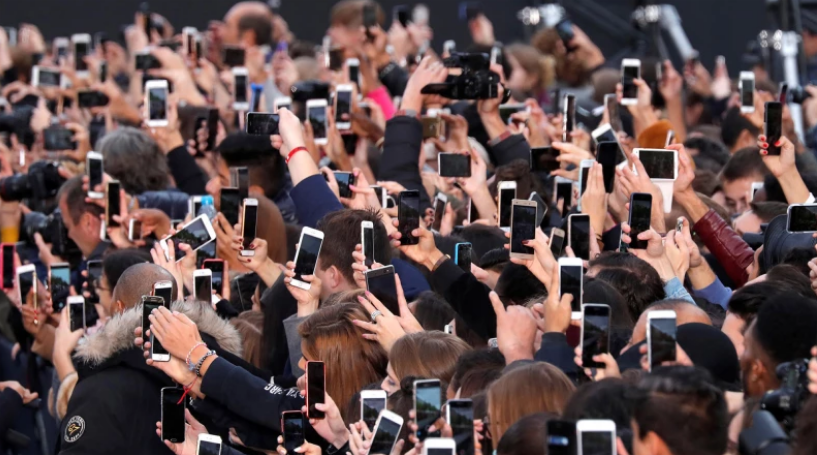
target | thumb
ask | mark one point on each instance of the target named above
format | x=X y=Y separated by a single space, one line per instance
x=499 y=308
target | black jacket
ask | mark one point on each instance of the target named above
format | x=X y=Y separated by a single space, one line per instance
x=401 y=155
x=172 y=202
x=186 y=173
x=467 y=296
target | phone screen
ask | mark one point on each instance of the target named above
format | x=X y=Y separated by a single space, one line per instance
x=461 y=413
x=233 y=56
x=596 y=328
x=609 y=156
x=262 y=124
x=427 y=403
x=240 y=88
x=570 y=282
x=659 y=164
x=803 y=218
x=147 y=307
x=248 y=227
x=294 y=434
x=380 y=282
x=439 y=211
x=307 y=256
x=506 y=197
x=80 y=51
x=59 y=286
x=409 y=216
x=343 y=101
x=564 y=191
x=773 y=126
x=628 y=75
x=464 y=256
x=543 y=159
x=454 y=165
x=204 y=288
x=580 y=236
x=317 y=118
x=173 y=414
x=230 y=201
x=747 y=92
x=165 y=293
x=113 y=207
x=371 y=408
x=385 y=436
x=557 y=242
x=523 y=227
x=25 y=281
x=584 y=175
x=344 y=179
x=195 y=234
x=597 y=442
x=157 y=97
x=49 y=78
x=217 y=267
x=316 y=385
x=662 y=340
x=368 y=245
x=94 y=172
x=640 y=215
x=561 y=437
x=569 y=116
x=210 y=448
x=76 y=316
x=94 y=273
x=8 y=266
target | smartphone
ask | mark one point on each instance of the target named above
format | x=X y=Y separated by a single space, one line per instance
x=173 y=405
x=523 y=227
x=248 y=225
x=145 y=61
x=639 y=218
x=315 y=388
x=408 y=216
x=367 y=241
x=604 y=133
x=427 y=406
x=541 y=207
x=230 y=204
x=343 y=106
x=563 y=189
x=282 y=102
x=773 y=125
x=660 y=164
x=557 y=241
x=164 y=290
x=156 y=92
x=382 y=195
x=309 y=247
x=197 y=233
x=661 y=337
x=216 y=267
x=241 y=86
x=316 y=113
x=595 y=333
x=112 y=206
x=462 y=256
x=76 y=312
x=233 y=56
x=507 y=110
x=569 y=120
x=543 y=159
x=45 y=77
x=94 y=273
x=212 y=128
x=747 y=92
x=8 y=265
x=261 y=124
x=57 y=138
x=439 y=446
x=802 y=218
x=203 y=285
x=82 y=48
x=611 y=103
x=372 y=402
x=293 y=430
x=571 y=281
x=344 y=179
x=454 y=165
x=92 y=98
x=597 y=437
x=460 y=416
x=756 y=186
x=400 y=13
x=440 y=201
x=630 y=71
x=150 y=303
x=578 y=235
x=561 y=437
x=609 y=155
x=381 y=283
x=208 y=444
x=26 y=281
x=93 y=167
x=59 y=283
x=584 y=175
x=385 y=433
x=507 y=193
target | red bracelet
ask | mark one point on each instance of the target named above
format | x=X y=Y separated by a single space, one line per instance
x=187 y=389
x=294 y=151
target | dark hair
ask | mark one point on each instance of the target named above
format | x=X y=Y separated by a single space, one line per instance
x=746 y=301
x=116 y=262
x=746 y=162
x=599 y=291
x=733 y=125
x=518 y=171
x=767 y=211
x=684 y=408
x=786 y=327
x=482 y=360
x=792 y=277
x=707 y=148
x=75 y=196
x=706 y=182
x=259 y=24
x=483 y=238
x=606 y=399
x=265 y=165
x=528 y=436
x=516 y=284
x=806 y=428
x=798 y=259
x=639 y=290
x=432 y=311
x=342 y=232
x=496 y=259
x=349 y=13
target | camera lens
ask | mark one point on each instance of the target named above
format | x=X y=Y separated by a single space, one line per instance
x=14 y=188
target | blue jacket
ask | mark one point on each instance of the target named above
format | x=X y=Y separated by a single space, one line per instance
x=172 y=201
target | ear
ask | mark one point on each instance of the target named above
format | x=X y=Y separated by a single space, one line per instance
x=335 y=277
x=255 y=189
x=120 y=307
x=655 y=445
x=746 y=139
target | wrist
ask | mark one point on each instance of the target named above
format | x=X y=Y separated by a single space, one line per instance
x=307 y=308
x=341 y=440
x=665 y=270
x=412 y=102
x=515 y=353
x=493 y=124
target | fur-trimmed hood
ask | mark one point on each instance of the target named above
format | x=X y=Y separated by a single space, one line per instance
x=117 y=334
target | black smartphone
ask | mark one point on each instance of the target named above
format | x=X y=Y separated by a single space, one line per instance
x=609 y=155
x=344 y=179
x=400 y=13
x=76 y=314
x=217 y=267
x=261 y=124
x=584 y=176
x=571 y=281
x=380 y=282
x=57 y=138
x=557 y=242
x=94 y=273
x=462 y=256
x=454 y=165
x=661 y=337
x=343 y=103
x=427 y=405
x=639 y=218
x=578 y=231
x=507 y=193
x=569 y=121
x=112 y=206
x=315 y=388
x=8 y=265
x=233 y=56
x=173 y=405
x=367 y=241
x=523 y=227
x=408 y=216
x=460 y=416
x=230 y=203
x=212 y=128
x=103 y=71
x=249 y=225
x=293 y=430
x=92 y=98
x=802 y=218
x=145 y=62
x=773 y=125
x=93 y=163
x=561 y=437
x=595 y=333
x=564 y=191
x=440 y=201
x=658 y=163
x=242 y=181
x=59 y=284
x=543 y=159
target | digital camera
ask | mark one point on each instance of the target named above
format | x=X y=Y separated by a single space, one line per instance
x=476 y=82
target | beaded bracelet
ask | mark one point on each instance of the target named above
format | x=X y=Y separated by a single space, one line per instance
x=190 y=364
x=201 y=362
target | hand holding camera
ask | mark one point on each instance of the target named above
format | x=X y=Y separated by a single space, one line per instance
x=428 y=72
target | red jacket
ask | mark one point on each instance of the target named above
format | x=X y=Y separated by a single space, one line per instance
x=726 y=245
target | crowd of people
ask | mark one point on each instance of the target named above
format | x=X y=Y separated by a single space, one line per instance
x=493 y=332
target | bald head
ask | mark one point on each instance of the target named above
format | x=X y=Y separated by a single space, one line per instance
x=138 y=280
x=248 y=24
x=685 y=313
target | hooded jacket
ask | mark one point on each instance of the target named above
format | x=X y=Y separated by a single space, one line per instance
x=113 y=402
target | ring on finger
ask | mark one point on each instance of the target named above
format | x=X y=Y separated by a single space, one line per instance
x=375 y=314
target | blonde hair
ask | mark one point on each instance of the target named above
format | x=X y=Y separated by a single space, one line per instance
x=534 y=63
x=431 y=355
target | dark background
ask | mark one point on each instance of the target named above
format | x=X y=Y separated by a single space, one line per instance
x=715 y=27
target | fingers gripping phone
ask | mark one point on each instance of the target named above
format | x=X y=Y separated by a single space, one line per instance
x=571 y=281
x=173 y=406
x=293 y=430
x=595 y=333
x=639 y=218
x=344 y=179
x=661 y=337
x=408 y=216
x=306 y=258
x=427 y=405
x=381 y=283
x=315 y=388
x=372 y=402
x=196 y=234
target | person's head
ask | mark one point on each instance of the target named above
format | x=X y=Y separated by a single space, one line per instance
x=250 y=325
x=792 y=277
x=743 y=168
x=679 y=411
x=432 y=311
x=685 y=313
x=341 y=230
x=126 y=152
x=114 y=265
x=636 y=280
x=531 y=72
x=479 y=361
x=81 y=219
x=518 y=171
x=711 y=152
x=600 y=291
x=573 y=71
x=525 y=390
x=483 y=238
x=351 y=361
x=784 y=330
x=609 y=399
x=248 y=24
x=706 y=182
x=517 y=285
x=743 y=307
x=737 y=131
x=798 y=260
x=430 y=355
x=528 y=436
x=266 y=167
x=346 y=22
x=137 y=281
x=758 y=213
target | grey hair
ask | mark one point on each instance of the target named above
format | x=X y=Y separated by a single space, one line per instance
x=135 y=159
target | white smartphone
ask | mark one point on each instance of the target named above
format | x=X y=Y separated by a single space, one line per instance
x=367 y=241
x=630 y=70
x=439 y=446
x=156 y=103
x=747 y=92
x=661 y=337
x=306 y=258
x=76 y=312
x=203 y=285
x=241 y=89
x=596 y=436
x=385 y=433
x=372 y=402
x=208 y=444
x=571 y=281
x=189 y=40
x=756 y=186
x=197 y=233
x=249 y=225
x=45 y=77
x=660 y=164
x=93 y=167
x=193 y=205
x=343 y=106
x=283 y=101
x=353 y=66
x=523 y=227
x=82 y=47
x=316 y=114
x=134 y=230
x=164 y=289
x=61 y=44
x=506 y=195
x=604 y=133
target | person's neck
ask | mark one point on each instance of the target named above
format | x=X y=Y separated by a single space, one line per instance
x=88 y=248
